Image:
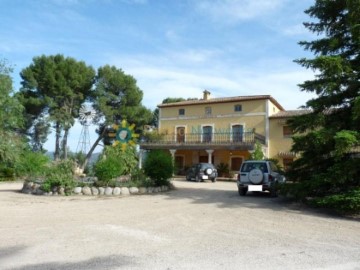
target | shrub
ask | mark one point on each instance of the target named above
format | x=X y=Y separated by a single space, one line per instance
x=32 y=164
x=159 y=167
x=115 y=162
x=258 y=153
x=347 y=203
x=7 y=173
x=223 y=169
x=107 y=169
x=60 y=174
x=139 y=179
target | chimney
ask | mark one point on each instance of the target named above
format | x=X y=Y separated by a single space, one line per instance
x=206 y=95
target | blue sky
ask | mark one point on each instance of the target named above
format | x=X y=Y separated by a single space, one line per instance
x=174 y=48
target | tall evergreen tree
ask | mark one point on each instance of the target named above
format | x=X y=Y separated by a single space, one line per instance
x=11 y=142
x=331 y=130
x=116 y=97
x=56 y=86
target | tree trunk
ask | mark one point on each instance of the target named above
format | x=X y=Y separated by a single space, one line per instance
x=64 y=143
x=57 y=141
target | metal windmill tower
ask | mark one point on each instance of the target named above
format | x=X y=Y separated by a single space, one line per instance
x=86 y=115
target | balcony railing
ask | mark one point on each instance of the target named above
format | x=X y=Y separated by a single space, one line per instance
x=221 y=138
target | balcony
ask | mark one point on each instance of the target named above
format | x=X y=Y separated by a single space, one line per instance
x=231 y=141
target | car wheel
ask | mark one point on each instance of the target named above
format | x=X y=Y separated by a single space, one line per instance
x=197 y=178
x=242 y=191
x=213 y=180
x=188 y=178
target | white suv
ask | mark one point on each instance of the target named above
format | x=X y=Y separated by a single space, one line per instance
x=259 y=175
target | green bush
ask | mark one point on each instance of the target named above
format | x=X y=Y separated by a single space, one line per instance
x=258 y=153
x=32 y=164
x=107 y=169
x=347 y=203
x=159 y=167
x=139 y=179
x=7 y=173
x=223 y=169
x=115 y=162
x=60 y=174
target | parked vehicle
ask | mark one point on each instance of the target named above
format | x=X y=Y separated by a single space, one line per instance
x=202 y=171
x=259 y=175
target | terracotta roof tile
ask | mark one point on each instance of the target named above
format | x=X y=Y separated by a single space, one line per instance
x=221 y=100
x=290 y=113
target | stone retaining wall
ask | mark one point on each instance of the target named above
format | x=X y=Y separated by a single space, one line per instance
x=34 y=188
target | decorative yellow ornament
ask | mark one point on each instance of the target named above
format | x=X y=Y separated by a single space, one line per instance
x=125 y=134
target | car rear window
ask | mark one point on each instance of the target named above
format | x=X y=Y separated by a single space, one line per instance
x=247 y=167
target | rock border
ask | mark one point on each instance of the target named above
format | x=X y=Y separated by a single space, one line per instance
x=35 y=189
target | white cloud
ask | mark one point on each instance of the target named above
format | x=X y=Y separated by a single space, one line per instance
x=160 y=78
x=237 y=10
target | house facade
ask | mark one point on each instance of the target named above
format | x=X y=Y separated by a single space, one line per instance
x=222 y=130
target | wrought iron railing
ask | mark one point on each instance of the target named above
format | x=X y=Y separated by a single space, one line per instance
x=204 y=138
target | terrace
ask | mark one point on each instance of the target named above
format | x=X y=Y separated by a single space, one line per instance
x=217 y=140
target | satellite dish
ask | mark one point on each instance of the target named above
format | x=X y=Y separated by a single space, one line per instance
x=86 y=114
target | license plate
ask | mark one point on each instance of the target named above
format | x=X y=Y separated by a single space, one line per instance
x=255 y=188
x=205 y=177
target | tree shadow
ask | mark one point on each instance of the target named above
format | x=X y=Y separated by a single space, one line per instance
x=202 y=193
x=106 y=262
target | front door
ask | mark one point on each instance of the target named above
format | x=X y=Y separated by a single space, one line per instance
x=236 y=163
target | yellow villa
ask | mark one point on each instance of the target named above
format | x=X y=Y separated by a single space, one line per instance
x=223 y=130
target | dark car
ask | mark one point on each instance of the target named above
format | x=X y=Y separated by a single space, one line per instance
x=202 y=171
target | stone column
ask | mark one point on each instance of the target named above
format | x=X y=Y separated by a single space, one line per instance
x=140 y=158
x=209 y=155
x=172 y=152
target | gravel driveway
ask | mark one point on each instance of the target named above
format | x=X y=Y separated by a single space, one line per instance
x=197 y=226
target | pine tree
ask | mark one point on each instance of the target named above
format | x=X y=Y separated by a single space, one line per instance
x=330 y=132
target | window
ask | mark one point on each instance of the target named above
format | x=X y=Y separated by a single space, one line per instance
x=287 y=131
x=237 y=108
x=237 y=133
x=207 y=111
x=287 y=163
x=207 y=133
x=181 y=111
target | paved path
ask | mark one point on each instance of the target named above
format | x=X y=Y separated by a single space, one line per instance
x=197 y=226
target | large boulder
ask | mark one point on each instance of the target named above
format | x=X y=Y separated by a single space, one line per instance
x=117 y=191
x=86 y=191
x=101 y=191
x=134 y=190
x=95 y=191
x=142 y=190
x=77 y=190
x=108 y=191
x=125 y=191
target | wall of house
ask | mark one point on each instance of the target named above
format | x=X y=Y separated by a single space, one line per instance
x=273 y=109
x=222 y=117
x=278 y=142
x=191 y=157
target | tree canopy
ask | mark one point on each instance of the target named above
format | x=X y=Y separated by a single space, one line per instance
x=116 y=97
x=55 y=86
x=11 y=143
x=329 y=133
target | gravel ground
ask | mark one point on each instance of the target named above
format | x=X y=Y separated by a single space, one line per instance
x=197 y=226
